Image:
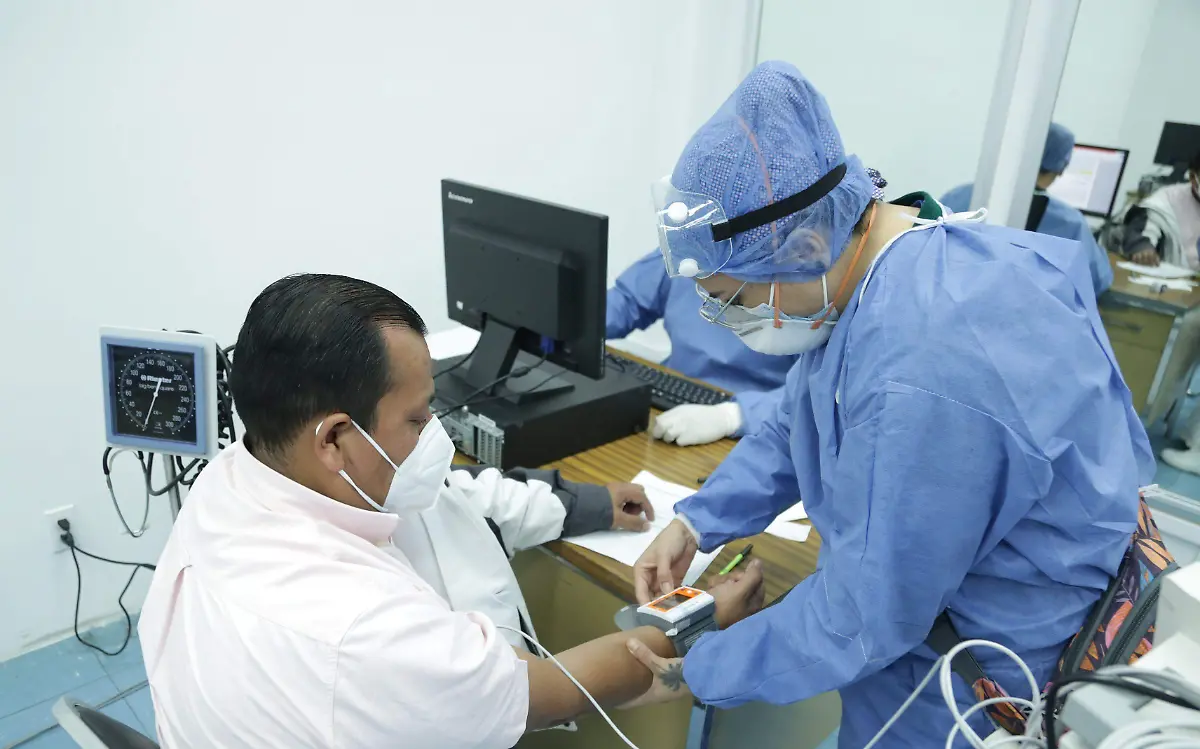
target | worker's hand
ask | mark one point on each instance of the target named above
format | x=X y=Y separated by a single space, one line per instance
x=1147 y=256
x=661 y=567
x=692 y=424
x=668 y=684
x=738 y=594
x=632 y=510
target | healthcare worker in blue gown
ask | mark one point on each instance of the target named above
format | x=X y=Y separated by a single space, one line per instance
x=1060 y=219
x=644 y=294
x=956 y=425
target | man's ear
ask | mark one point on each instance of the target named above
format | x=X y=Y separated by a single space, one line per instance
x=326 y=439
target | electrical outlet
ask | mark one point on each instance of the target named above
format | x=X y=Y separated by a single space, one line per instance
x=66 y=512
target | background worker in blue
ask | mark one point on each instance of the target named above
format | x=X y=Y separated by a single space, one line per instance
x=1060 y=219
x=943 y=458
x=644 y=294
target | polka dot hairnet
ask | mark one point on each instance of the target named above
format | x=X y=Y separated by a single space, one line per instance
x=771 y=139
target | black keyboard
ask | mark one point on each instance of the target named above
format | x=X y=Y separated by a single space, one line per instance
x=668 y=390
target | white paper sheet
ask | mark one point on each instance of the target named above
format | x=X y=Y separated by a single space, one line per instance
x=789 y=530
x=454 y=342
x=1175 y=284
x=1162 y=270
x=795 y=512
x=626 y=547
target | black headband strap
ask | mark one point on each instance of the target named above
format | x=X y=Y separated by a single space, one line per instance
x=774 y=211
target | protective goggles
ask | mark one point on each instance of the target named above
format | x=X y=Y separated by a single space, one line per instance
x=726 y=314
x=696 y=237
x=736 y=317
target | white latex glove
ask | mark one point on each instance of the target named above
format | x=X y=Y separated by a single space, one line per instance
x=692 y=424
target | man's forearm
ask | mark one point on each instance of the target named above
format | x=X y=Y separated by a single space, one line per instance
x=603 y=666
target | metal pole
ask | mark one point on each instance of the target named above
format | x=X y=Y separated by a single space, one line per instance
x=1023 y=96
x=173 y=495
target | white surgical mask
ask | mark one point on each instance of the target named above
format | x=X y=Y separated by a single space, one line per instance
x=417 y=481
x=794 y=335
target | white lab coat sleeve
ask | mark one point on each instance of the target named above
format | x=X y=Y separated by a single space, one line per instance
x=531 y=507
x=413 y=673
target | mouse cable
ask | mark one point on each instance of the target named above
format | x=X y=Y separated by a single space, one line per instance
x=520 y=371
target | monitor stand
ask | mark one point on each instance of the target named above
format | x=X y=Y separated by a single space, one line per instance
x=489 y=370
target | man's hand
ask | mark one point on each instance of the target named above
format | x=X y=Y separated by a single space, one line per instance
x=663 y=564
x=1146 y=256
x=632 y=510
x=668 y=684
x=738 y=594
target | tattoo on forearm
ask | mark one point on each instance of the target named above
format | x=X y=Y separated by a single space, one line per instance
x=672 y=676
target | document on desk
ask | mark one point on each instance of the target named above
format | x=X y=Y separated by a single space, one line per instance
x=1175 y=284
x=783 y=526
x=457 y=341
x=626 y=547
x=1162 y=270
x=786 y=529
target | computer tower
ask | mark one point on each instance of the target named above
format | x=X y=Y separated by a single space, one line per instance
x=504 y=434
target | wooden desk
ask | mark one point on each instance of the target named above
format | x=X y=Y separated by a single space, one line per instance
x=573 y=592
x=1156 y=339
x=785 y=563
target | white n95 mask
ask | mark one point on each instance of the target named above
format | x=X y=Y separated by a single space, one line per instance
x=757 y=327
x=419 y=479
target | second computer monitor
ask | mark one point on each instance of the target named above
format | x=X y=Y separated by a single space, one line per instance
x=1091 y=180
x=1178 y=144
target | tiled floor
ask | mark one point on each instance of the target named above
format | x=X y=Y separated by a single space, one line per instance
x=32 y=683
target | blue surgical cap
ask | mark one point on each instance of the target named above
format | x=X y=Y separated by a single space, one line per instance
x=1059 y=144
x=771 y=139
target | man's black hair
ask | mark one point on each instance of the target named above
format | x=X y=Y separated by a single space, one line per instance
x=312 y=344
x=1194 y=164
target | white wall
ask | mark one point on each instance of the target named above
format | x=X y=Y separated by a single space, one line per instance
x=1129 y=70
x=1165 y=87
x=909 y=89
x=160 y=163
x=1094 y=95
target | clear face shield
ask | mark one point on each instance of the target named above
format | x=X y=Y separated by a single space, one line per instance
x=685 y=235
x=696 y=237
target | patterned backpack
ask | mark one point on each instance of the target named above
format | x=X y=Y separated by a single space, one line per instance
x=1119 y=630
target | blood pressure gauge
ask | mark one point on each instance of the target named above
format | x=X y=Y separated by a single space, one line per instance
x=160 y=391
x=683 y=615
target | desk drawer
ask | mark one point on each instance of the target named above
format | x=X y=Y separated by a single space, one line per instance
x=1136 y=326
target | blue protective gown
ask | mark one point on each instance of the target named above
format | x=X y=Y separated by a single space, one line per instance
x=644 y=293
x=1059 y=220
x=964 y=441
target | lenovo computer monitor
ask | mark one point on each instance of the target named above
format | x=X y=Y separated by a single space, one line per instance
x=530 y=276
x=1092 y=179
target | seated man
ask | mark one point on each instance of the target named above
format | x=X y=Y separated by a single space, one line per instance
x=313 y=590
x=1058 y=218
x=644 y=294
x=1166 y=225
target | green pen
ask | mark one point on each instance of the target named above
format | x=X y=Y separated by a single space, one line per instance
x=737 y=560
